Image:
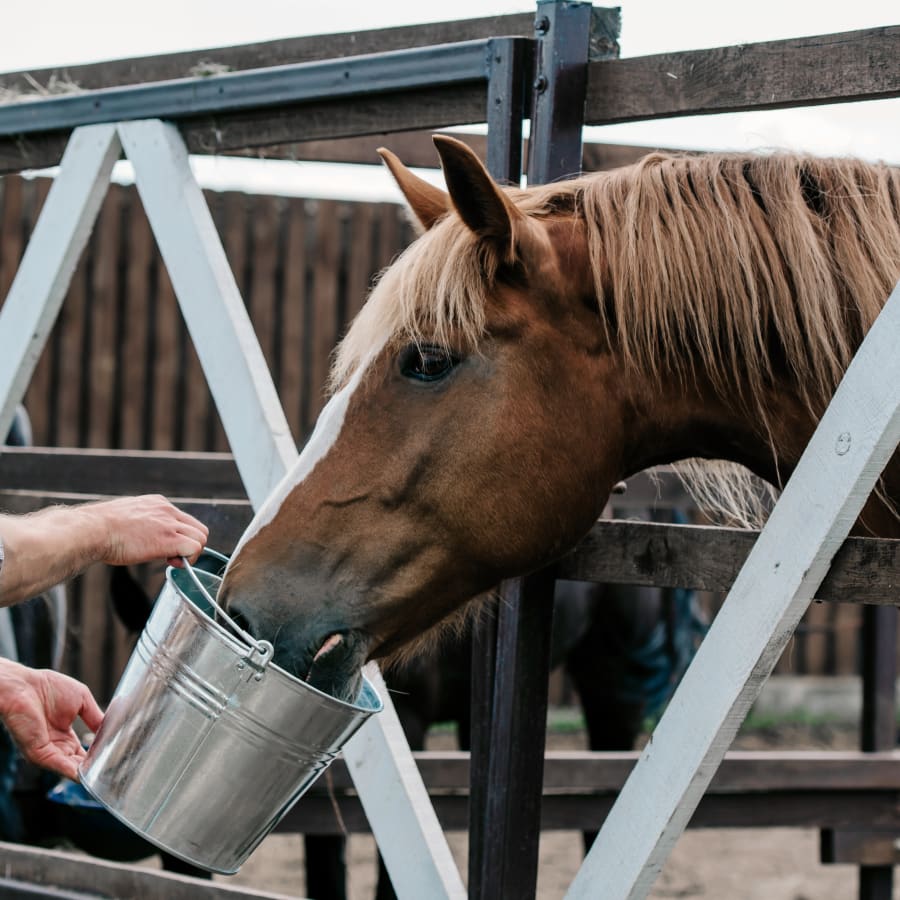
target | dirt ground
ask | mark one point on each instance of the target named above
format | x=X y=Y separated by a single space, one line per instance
x=727 y=864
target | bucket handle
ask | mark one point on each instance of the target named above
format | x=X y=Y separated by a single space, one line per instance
x=263 y=648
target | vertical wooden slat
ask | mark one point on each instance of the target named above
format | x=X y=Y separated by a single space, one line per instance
x=293 y=360
x=390 y=242
x=816 y=621
x=324 y=300
x=103 y=301
x=141 y=250
x=165 y=362
x=11 y=233
x=262 y=298
x=362 y=267
x=70 y=353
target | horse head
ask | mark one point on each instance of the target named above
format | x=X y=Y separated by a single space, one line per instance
x=533 y=347
x=463 y=441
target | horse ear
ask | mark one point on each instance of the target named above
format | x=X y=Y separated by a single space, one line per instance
x=427 y=202
x=481 y=204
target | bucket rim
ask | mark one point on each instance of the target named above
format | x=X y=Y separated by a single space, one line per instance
x=367 y=689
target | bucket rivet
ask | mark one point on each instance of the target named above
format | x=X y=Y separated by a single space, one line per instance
x=240 y=665
x=258 y=676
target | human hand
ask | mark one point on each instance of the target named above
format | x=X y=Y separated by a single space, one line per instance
x=38 y=707
x=146 y=528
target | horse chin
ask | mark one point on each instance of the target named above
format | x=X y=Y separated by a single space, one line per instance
x=336 y=666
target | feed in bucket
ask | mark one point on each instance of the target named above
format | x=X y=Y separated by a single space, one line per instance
x=207 y=743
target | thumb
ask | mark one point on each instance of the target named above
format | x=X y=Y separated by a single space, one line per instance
x=90 y=713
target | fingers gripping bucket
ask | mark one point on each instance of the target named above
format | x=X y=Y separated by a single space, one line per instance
x=206 y=743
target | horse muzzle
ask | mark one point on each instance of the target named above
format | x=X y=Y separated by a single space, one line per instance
x=326 y=654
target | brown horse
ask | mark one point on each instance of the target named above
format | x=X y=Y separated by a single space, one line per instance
x=533 y=347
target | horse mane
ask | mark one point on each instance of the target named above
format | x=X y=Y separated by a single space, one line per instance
x=747 y=267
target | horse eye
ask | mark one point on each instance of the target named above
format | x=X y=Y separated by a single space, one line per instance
x=426 y=363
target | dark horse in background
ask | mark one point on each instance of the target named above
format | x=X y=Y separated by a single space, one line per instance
x=624 y=648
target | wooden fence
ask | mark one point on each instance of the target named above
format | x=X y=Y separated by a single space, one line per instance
x=120 y=370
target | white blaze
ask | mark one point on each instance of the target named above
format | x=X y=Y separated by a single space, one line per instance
x=325 y=434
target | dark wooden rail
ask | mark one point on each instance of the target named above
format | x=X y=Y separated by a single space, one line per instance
x=857 y=65
x=865 y=570
x=751 y=789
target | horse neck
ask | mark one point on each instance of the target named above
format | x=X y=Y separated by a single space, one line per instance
x=672 y=423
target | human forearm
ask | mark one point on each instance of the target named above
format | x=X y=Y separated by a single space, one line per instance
x=51 y=546
x=46 y=548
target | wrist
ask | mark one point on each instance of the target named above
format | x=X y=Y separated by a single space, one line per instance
x=95 y=532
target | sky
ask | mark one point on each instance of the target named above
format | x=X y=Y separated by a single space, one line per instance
x=93 y=30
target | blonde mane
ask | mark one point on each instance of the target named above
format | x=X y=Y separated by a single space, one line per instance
x=749 y=267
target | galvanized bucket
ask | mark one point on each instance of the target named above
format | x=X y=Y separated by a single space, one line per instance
x=207 y=743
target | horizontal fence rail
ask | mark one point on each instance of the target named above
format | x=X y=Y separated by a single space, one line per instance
x=836 y=68
x=697 y=557
x=358 y=76
x=750 y=789
x=830 y=68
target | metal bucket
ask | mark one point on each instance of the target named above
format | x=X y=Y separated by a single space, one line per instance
x=206 y=743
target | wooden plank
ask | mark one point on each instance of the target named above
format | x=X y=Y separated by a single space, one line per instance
x=707 y=558
x=860 y=847
x=750 y=790
x=293 y=330
x=433 y=109
x=847 y=623
x=100 y=346
x=830 y=68
x=416 y=148
x=518 y=716
x=163 y=360
x=265 y=211
x=11 y=236
x=314 y=814
x=823 y=69
x=856 y=437
x=162 y=67
x=361 y=269
x=324 y=305
x=56 y=244
x=141 y=255
x=693 y=556
x=396 y=803
x=94 y=877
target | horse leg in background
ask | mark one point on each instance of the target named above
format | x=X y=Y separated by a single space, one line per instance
x=326 y=866
x=630 y=660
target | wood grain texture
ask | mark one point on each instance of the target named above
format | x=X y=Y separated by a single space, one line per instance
x=830 y=68
x=136 y=70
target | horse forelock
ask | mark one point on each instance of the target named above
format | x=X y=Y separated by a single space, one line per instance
x=435 y=292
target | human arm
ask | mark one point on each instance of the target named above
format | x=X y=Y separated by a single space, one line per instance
x=48 y=547
x=38 y=707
